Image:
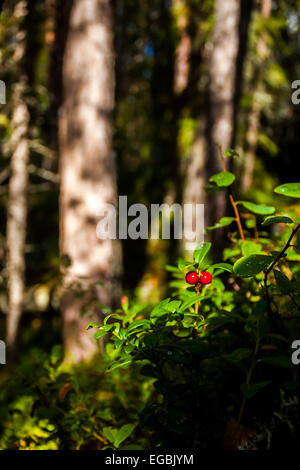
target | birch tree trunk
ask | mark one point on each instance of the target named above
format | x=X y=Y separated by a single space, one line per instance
x=17 y=201
x=88 y=179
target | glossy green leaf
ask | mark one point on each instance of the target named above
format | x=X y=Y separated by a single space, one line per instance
x=277 y=219
x=222 y=179
x=251 y=265
x=122 y=362
x=93 y=325
x=201 y=252
x=184 y=265
x=173 y=306
x=191 y=301
x=212 y=188
x=259 y=209
x=288 y=189
x=112 y=315
x=224 y=266
x=103 y=331
x=160 y=309
x=223 y=222
x=139 y=323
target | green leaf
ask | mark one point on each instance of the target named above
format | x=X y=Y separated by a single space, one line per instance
x=231 y=153
x=277 y=219
x=250 y=223
x=222 y=179
x=278 y=361
x=257 y=208
x=225 y=266
x=288 y=189
x=249 y=390
x=212 y=188
x=239 y=355
x=110 y=433
x=122 y=362
x=284 y=284
x=191 y=301
x=138 y=323
x=93 y=325
x=56 y=353
x=278 y=337
x=112 y=315
x=173 y=306
x=172 y=268
x=251 y=265
x=223 y=222
x=184 y=265
x=250 y=248
x=103 y=331
x=123 y=433
x=160 y=309
x=201 y=252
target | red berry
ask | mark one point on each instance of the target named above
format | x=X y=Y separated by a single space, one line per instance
x=192 y=277
x=205 y=277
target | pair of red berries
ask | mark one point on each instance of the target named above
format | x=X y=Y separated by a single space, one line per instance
x=193 y=278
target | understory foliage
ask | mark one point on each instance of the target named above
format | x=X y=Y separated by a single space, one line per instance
x=209 y=367
x=221 y=354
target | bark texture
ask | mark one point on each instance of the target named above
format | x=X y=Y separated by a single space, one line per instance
x=184 y=47
x=17 y=200
x=88 y=179
x=221 y=94
x=217 y=125
x=255 y=113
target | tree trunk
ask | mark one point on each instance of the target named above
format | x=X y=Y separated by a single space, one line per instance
x=184 y=47
x=17 y=201
x=88 y=179
x=217 y=124
x=221 y=93
x=255 y=113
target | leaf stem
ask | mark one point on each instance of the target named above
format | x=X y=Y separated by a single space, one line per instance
x=249 y=376
x=284 y=249
x=231 y=198
x=272 y=265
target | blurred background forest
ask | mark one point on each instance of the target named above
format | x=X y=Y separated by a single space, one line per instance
x=124 y=97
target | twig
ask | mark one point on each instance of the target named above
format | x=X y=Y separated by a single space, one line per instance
x=237 y=215
x=248 y=380
x=274 y=262
x=197 y=293
x=231 y=198
x=287 y=245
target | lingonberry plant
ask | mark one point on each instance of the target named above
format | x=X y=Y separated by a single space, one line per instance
x=219 y=350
